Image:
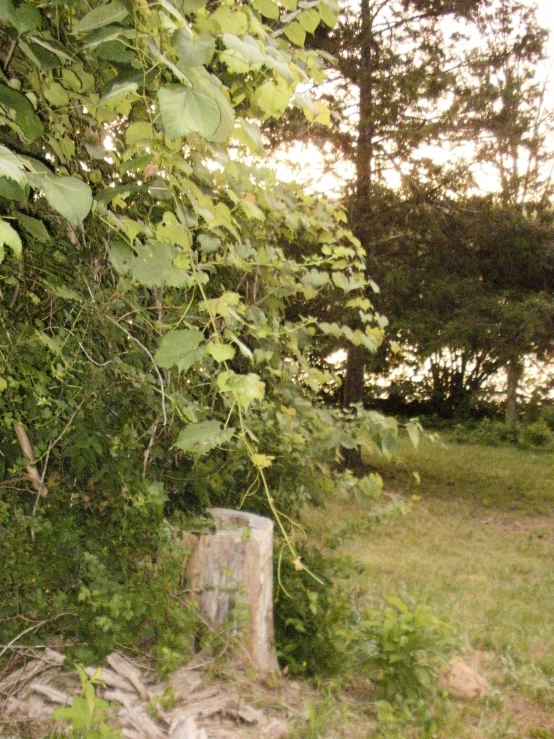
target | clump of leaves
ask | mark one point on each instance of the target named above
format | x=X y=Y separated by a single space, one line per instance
x=402 y=648
x=87 y=712
x=313 y=618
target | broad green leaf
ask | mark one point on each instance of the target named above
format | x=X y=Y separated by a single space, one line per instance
x=69 y=196
x=221 y=306
x=191 y=6
x=117 y=93
x=159 y=190
x=101 y=16
x=23 y=18
x=200 y=438
x=315 y=278
x=231 y=21
x=208 y=244
x=329 y=12
x=267 y=8
x=221 y=352
x=10 y=237
x=38 y=55
x=11 y=166
x=121 y=257
x=22 y=112
x=249 y=134
x=180 y=349
x=12 y=191
x=246 y=388
x=103 y=35
x=66 y=293
x=206 y=84
x=140 y=131
x=309 y=20
x=193 y=51
x=55 y=94
x=347 y=284
x=295 y=33
x=153 y=266
x=271 y=99
x=247 y=46
x=413 y=432
x=171 y=230
x=328 y=16
x=331 y=328
x=115 y=51
x=35 y=228
x=289 y=4
x=52 y=342
x=251 y=210
x=186 y=111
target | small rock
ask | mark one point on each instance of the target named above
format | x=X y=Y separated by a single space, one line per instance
x=463 y=682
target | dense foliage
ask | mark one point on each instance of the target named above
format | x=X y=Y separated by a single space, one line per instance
x=148 y=366
x=441 y=136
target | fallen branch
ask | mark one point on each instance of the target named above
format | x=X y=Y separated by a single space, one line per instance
x=32 y=471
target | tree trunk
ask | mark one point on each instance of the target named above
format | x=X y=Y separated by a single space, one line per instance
x=231 y=574
x=353 y=390
x=514 y=372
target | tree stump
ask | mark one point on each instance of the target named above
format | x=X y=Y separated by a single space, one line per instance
x=231 y=574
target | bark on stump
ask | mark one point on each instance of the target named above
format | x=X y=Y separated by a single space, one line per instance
x=231 y=572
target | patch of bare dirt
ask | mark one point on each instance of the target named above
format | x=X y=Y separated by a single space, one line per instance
x=540 y=527
x=528 y=716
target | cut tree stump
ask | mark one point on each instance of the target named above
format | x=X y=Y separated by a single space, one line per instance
x=230 y=571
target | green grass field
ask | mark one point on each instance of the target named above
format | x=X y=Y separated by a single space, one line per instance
x=478 y=547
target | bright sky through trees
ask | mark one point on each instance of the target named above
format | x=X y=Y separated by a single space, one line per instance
x=304 y=162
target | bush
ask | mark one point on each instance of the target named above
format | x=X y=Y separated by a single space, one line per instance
x=537 y=434
x=547 y=415
x=320 y=633
x=403 y=649
x=486 y=431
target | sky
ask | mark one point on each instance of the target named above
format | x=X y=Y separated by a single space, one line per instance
x=546 y=19
x=309 y=166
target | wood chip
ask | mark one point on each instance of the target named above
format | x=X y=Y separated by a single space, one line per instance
x=218 y=704
x=37 y=709
x=20 y=677
x=54 y=695
x=139 y=718
x=126 y=698
x=185 y=681
x=109 y=677
x=275 y=729
x=132 y=734
x=127 y=669
x=185 y=727
x=248 y=714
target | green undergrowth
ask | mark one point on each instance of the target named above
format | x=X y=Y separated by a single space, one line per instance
x=501 y=478
x=476 y=550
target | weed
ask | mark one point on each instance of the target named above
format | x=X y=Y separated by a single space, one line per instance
x=87 y=713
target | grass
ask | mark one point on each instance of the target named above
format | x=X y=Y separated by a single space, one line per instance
x=478 y=547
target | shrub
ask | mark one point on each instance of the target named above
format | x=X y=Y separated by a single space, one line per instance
x=486 y=431
x=537 y=434
x=547 y=415
x=403 y=648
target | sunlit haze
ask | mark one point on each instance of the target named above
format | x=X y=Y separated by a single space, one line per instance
x=305 y=164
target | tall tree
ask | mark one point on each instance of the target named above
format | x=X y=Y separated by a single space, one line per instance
x=436 y=100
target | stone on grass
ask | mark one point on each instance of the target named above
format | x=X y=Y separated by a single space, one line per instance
x=462 y=681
